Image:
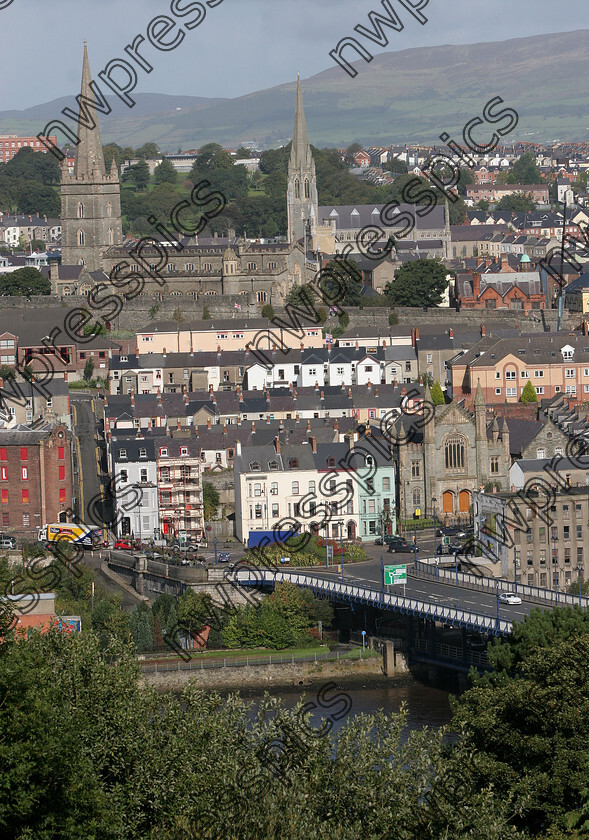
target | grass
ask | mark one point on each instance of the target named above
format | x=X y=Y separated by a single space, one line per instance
x=259 y=653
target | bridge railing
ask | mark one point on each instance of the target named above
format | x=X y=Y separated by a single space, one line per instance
x=452 y=652
x=530 y=593
x=384 y=600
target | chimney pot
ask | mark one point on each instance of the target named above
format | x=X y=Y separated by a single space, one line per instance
x=208 y=422
x=178 y=424
x=277 y=445
x=451 y=333
x=308 y=425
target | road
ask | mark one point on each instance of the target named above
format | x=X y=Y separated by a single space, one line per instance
x=92 y=458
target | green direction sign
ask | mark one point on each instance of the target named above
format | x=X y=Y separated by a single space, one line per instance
x=445 y=540
x=395 y=574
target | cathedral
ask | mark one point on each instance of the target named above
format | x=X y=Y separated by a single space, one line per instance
x=265 y=271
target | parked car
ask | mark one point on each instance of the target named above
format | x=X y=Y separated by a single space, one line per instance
x=509 y=598
x=398 y=544
x=7 y=543
x=453 y=531
x=388 y=538
x=457 y=547
x=124 y=545
x=224 y=557
x=476 y=642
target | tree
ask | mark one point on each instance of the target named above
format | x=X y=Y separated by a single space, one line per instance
x=141 y=627
x=33 y=166
x=153 y=310
x=138 y=173
x=344 y=320
x=525 y=171
x=242 y=153
x=148 y=150
x=437 y=394
x=341 y=282
x=88 y=370
x=206 y=314
x=211 y=499
x=418 y=283
x=529 y=394
x=483 y=204
x=517 y=203
x=25 y=281
x=110 y=623
x=178 y=315
x=165 y=173
x=396 y=165
x=195 y=610
x=393 y=318
x=322 y=315
x=33 y=197
x=268 y=311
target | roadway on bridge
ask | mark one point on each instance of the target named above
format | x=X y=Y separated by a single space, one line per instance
x=423 y=589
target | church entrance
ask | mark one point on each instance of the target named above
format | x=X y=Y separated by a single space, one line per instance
x=464 y=501
x=448 y=502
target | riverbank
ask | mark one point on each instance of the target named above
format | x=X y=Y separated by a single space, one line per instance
x=263 y=676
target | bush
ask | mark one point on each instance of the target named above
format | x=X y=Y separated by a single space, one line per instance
x=393 y=318
x=268 y=311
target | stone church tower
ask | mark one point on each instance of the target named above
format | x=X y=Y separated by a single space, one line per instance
x=302 y=197
x=90 y=199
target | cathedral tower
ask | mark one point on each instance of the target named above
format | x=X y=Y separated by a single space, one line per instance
x=90 y=199
x=302 y=198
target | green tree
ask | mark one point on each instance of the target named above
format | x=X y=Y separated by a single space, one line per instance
x=211 y=499
x=516 y=203
x=33 y=166
x=25 y=281
x=195 y=610
x=525 y=170
x=141 y=627
x=148 y=150
x=88 y=369
x=165 y=173
x=110 y=623
x=153 y=310
x=322 y=315
x=393 y=318
x=206 y=314
x=138 y=174
x=341 y=282
x=344 y=320
x=396 y=165
x=33 y=197
x=483 y=204
x=437 y=394
x=418 y=283
x=529 y=394
x=178 y=315
x=268 y=311
x=242 y=153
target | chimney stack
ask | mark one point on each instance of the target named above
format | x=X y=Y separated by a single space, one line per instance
x=253 y=427
x=277 y=445
x=451 y=333
x=483 y=331
x=186 y=398
x=178 y=424
x=313 y=442
x=132 y=398
x=349 y=393
x=476 y=284
x=308 y=425
x=159 y=397
x=335 y=425
x=298 y=418
x=208 y=422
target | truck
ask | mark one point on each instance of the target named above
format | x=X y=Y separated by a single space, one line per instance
x=259 y=539
x=74 y=532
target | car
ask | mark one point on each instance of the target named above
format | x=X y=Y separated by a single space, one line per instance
x=476 y=642
x=7 y=542
x=509 y=598
x=398 y=544
x=224 y=557
x=459 y=548
x=124 y=545
x=453 y=531
x=387 y=539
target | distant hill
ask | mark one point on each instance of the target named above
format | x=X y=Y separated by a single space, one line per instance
x=410 y=95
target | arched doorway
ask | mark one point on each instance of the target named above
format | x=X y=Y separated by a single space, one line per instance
x=464 y=501
x=448 y=502
x=351 y=530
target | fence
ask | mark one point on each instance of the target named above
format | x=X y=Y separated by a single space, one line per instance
x=247 y=661
x=468 y=581
x=451 y=652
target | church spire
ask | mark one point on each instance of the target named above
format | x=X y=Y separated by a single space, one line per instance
x=300 y=153
x=89 y=156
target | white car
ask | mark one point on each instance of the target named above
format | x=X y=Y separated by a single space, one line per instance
x=509 y=598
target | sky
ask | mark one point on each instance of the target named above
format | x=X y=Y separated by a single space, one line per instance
x=242 y=45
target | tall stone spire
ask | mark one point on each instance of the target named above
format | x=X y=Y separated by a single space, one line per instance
x=89 y=156
x=302 y=197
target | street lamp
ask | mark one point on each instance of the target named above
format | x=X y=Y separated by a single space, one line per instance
x=555 y=561
x=456 y=570
x=341 y=546
x=580 y=570
x=434 y=500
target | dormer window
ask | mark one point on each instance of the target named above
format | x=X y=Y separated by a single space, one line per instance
x=163 y=452
x=184 y=450
x=294 y=463
x=255 y=466
x=123 y=359
x=272 y=465
x=143 y=453
x=568 y=353
x=331 y=461
x=122 y=453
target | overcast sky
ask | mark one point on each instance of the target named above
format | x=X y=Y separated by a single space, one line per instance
x=242 y=45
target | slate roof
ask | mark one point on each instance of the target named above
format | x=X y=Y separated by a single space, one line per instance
x=351 y=216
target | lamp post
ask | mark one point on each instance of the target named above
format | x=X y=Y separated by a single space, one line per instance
x=215 y=544
x=515 y=570
x=555 y=561
x=456 y=570
x=580 y=570
x=341 y=546
x=434 y=500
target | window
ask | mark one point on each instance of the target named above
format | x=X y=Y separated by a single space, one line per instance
x=258 y=511
x=539 y=390
x=415 y=469
x=25 y=497
x=5 y=497
x=511 y=374
x=386 y=484
x=578 y=511
x=61 y=473
x=24 y=474
x=538 y=374
x=183 y=451
x=143 y=453
x=416 y=497
x=454 y=453
x=494 y=465
x=257 y=489
x=275 y=510
x=498 y=391
x=295 y=488
x=311 y=487
x=540 y=453
x=565 y=512
x=26 y=520
x=62 y=495
x=3 y=474
x=511 y=392
x=23 y=454
x=569 y=373
x=122 y=453
x=81 y=238
x=144 y=475
x=570 y=389
x=567 y=355
x=293 y=463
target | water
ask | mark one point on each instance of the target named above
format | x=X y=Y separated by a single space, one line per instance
x=426 y=706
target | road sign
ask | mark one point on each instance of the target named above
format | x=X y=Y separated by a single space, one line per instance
x=329 y=552
x=395 y=574
x=445 y=540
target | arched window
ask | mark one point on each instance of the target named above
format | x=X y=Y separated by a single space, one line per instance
x=448 y=501
x=307 y=189
x=251 y=266
x=80 y=210
x=416 y=498
x=207 y=266
x=464 y=501
x=67 y=290
x=331 y=461
x=108 y=209
x=454 y=454
x=262 y=297
x=111 y=237
x=81 y=237
x=297 y=188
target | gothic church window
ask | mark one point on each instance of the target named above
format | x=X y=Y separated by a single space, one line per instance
x=81 y=237
x=111 y=237
x=454 y=454
x=297 y=187
x=109 y=209
x=80 y=211
x=262 y=297
x=307 y=190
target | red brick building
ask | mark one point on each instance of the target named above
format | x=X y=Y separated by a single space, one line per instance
x=35 y=478
x=11 y=144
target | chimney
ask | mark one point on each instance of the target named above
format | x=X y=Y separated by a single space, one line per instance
x=308 y=425
x=167 y=431
x=351 y=439
x=208 y=422
x=253 y=427
x=214 y=399
x=369 y=385
x=313 y=442
x=218 y=349
x=277 y=445
x=476 y=284
x=376 y=392
x=186 y=398
x=298 y=418
x=349 y=393
x=164 y=353
x=159 y=397
x=335 y=425
x=322 y=396
x=416 y=334
x=132 y=398
x=403 y=391
x=273 y=349
x=450 y=333
x=267 y=418
x=238 y=389
x=357 y=345
x=483 y=331
x=178 y=424
x=239 y=419
x=302 y=346
x=294 y=394
x=210 y=389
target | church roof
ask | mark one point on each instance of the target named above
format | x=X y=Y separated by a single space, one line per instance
x=353 y=216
